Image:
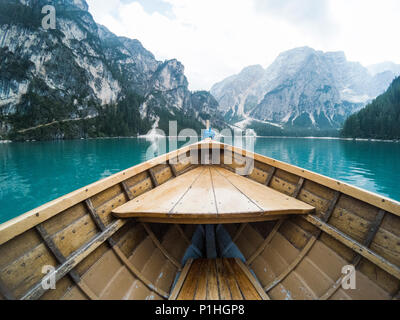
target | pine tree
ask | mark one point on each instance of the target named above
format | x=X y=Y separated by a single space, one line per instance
x=379 y=120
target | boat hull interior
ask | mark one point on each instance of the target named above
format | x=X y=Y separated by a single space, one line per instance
x=301 y=257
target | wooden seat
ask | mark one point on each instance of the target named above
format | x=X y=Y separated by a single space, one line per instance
x=217 y=279
x=211 y=194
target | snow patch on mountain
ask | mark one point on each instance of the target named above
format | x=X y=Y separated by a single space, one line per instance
x=302 y=88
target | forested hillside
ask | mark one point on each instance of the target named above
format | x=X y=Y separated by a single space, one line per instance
x=378 y=120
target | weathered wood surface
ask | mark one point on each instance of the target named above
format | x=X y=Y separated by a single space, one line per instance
x=379 y=201
x=300 y=258
x=217 y=279
x=211 y=192
x=36 y=216
x=356 y=247
x=37 y=291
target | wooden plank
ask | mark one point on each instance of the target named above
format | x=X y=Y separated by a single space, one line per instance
x=266 y=242
x=370 y=236
x=161 y=200
x=161 y=247
x=379 y=201
x=106 y=196
x=37 y=290
x=307 y=248
x=174 y=219
x=224 y=291
x=163 y=175
x=173 y=169
x=282 y=185
x=246 y=287
x=292 y=266
x=138 y=274
x=259 y=176
x=94 y=214
x=325 y=218
x=61 y=259
x=253 y=281
x=200 y=198
x=230 y=200
x=189 y=287
x=178 y=286
x=355 y=246
x=231 y=281
x=153 y=178
x=298 y=188
x=269 y=201
x=212 y=281
x=270 y=176
x=190 y=197
x=50 y=243
x=36 y=216
x=65 y=218
x=127 y=190
x=21 y=274
x=374 y=228
x=201 y=291
x=331 y=208
x=132 y=269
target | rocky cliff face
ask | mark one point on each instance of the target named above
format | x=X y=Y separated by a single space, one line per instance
x=77 y=80
x=303 y=88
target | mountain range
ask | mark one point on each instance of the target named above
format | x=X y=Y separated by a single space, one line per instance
x=302 y=88
x=81 y=80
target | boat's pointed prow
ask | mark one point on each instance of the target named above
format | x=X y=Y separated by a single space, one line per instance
x=211 y=194
x=322 y=227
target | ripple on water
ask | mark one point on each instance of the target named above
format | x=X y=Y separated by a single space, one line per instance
x=32 y=174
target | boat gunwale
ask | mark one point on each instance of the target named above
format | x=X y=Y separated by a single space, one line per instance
x=30 y=219
x=374 y=199
x=27 y=221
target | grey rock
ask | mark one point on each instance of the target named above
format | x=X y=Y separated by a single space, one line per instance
x=302 y=88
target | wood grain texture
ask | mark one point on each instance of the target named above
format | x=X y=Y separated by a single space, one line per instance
x=211 y=193
x=61 y=259
x=379 y=201
x=178 y=286
x=217 y=279
x=355 y=246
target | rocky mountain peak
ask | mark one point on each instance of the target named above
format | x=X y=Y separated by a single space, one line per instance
x=303 y=87
x=170 y=75
x=82 y=76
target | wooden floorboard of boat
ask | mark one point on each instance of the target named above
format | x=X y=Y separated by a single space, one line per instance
x=217 y=279
x=211 y=192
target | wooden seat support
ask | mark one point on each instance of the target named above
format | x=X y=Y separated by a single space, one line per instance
x=217 y=279
x=210 y=195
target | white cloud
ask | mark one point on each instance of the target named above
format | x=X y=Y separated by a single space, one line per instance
x=215 y=39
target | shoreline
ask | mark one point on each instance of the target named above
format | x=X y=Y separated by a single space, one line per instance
x=143 y=137
x=332 y=138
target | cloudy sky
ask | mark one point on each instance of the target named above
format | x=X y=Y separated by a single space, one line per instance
x=217 y=38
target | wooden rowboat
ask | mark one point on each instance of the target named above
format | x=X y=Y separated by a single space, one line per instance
x=171 y=228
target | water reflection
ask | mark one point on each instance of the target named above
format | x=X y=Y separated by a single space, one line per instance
x=374 y=166
x=34 y=173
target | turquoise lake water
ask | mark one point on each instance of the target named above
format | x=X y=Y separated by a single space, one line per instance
x=33 y=173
